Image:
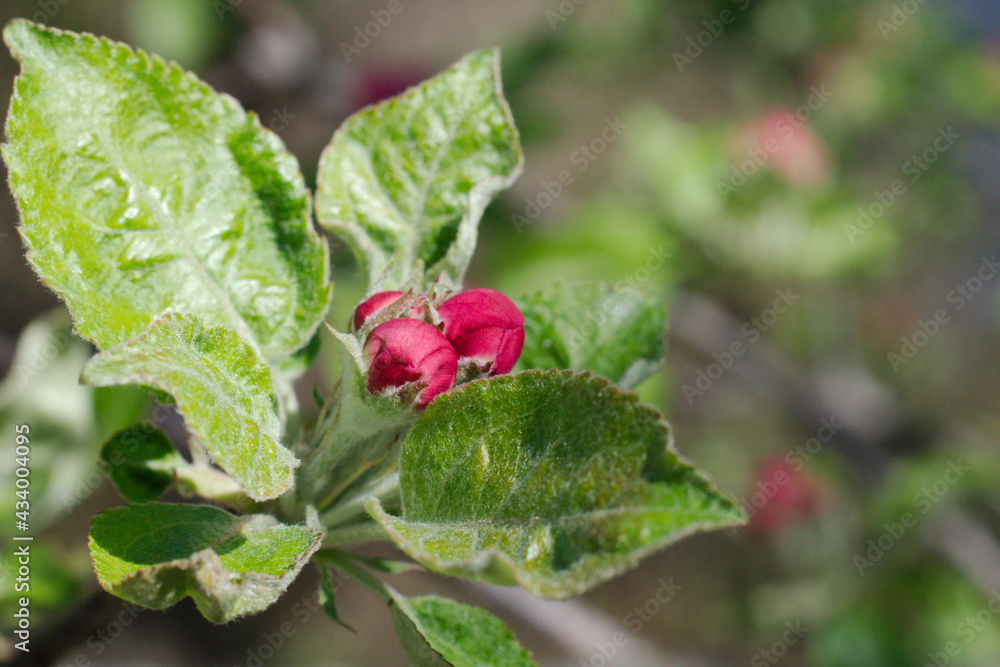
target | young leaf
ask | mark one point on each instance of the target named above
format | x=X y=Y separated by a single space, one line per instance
x=614 y=332
x=407 y=180
x=550 y=480
x=327 y=597
x=143 y=192
x=156 y=554
x=221 y=387
x=141 y=462
x=438 y=632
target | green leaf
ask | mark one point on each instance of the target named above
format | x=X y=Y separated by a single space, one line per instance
x=549 y=480
x=222 y=388
x=141 y=462
x=156 y=554
x=437 y=632
x=407 y=180
x=611 y=331
x=327 y=597
x=144 y=192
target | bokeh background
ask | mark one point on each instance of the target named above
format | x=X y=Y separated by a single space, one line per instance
x=811 y=185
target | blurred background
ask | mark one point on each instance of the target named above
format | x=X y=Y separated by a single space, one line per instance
x=811 y=187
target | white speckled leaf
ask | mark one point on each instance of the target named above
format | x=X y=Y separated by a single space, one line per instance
x=144 y=192
x=547 y=479
x=438 y=632
x=408 y=179
x=222 y=388
x=610 y=331
x=156 y=554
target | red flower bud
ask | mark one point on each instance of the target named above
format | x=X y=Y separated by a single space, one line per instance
x=405 y=350
x=377 y=302
x=485 y=327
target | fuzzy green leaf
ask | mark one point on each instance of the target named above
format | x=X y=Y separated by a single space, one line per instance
x=614 y=332
x=222 y=388
x=547 y=479
x=407 y=180
x=143 y=192
x=438 y=632
x=156 y=554
x=141 y=462
x=328 y=597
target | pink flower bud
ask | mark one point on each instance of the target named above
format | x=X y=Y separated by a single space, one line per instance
x=485 y=327
x=781 y=497
x=375 y=303
x=405 y=350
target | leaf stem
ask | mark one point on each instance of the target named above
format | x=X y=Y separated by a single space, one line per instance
x=353 y=506
x=369 y=531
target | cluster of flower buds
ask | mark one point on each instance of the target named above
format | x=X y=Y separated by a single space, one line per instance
x=476 y=333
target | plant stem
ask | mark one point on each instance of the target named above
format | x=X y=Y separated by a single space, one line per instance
x=356 y=438
x=353 y=506
x=368 y=531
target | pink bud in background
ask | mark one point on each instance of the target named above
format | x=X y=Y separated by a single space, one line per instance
x=486 y=327
x=405 y=350
x=799 y=155
x=377 y=302
x=782 y=496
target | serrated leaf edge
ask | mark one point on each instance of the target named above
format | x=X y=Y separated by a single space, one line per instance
x=287 y=163
x=403 y=604
x=205 y=560
x=499 y=562
x=290 y=461
x=479 y=196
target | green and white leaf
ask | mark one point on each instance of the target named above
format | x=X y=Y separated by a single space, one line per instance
x=617 y=332
x=406 y=181
x=438 y=632
x=144 y=192
x=547 y=479
x=156 y=554
x=222 y=388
